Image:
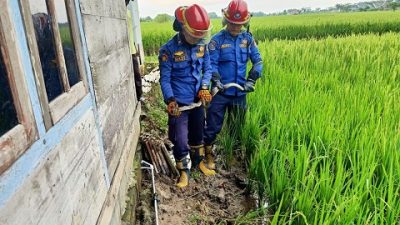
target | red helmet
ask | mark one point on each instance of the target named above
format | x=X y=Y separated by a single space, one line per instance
x=194 y=20
x=237 y=12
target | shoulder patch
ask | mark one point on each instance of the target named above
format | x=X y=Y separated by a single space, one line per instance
x=179 y=56
x=200 y=52
x=164 y=57
x=244 y=43
x=212 y=45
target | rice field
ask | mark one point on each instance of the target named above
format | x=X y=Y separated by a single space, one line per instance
x=322 y=131
x=291 y=27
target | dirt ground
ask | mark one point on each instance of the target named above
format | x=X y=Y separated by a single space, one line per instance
x=222 y=199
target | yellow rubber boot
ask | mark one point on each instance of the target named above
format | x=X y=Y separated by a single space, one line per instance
x=183 y=166
x=203 y=166
x=209 y=157
x=183 y=180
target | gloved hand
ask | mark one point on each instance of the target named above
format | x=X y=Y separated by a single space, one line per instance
x=216 y=79
x=173 y=108
x=219 y=85
x=204 y=95
x=249 y=85
x=254 y=74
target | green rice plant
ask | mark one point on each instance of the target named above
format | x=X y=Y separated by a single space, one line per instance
x=329 y=128
x=226 y=146
x=250 y=134
x=65 y=34
x=252 y=217
x=228 y=140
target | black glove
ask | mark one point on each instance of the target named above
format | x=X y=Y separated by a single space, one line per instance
x=253 y=74
x=216 y=79
x=249 y=85
x=219 y=85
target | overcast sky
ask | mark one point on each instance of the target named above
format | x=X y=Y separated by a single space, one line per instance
x=154 y=7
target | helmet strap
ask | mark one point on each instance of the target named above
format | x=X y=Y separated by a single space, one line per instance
x=224 y=22
x=177 y=26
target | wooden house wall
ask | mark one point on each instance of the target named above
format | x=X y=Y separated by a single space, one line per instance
x=67 y=187
x=111 y=65
x=78 y=171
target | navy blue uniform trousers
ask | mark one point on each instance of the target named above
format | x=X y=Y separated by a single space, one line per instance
x=186 y=129
x=236 y=106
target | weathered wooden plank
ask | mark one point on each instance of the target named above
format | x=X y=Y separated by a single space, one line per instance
x=22 y=103
x=159 y=160
x=137 y=31
x=104 y=36
x=76 y=37
x=12 y=60
x=87 y=181
x=116 y=216
x=113 y=9
x=35 y=59
x=12 y=145
x=58 y=44
x=110 y=72
x=127 y=179
x=117 y=195
x=66 y=187
x=153 y=159
x=63 y=103
x=78 y=161
x=163 y=160
x=174 y=171
x=115 y=121
x=130 y=178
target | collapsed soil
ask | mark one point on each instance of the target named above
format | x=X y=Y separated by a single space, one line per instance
x=220 y=199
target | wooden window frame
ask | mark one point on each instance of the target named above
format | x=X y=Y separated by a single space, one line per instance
x=53 y=111
x=17 y=140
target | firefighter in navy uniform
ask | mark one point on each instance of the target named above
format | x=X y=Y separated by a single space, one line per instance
x=230 y=50
x=185 y=69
